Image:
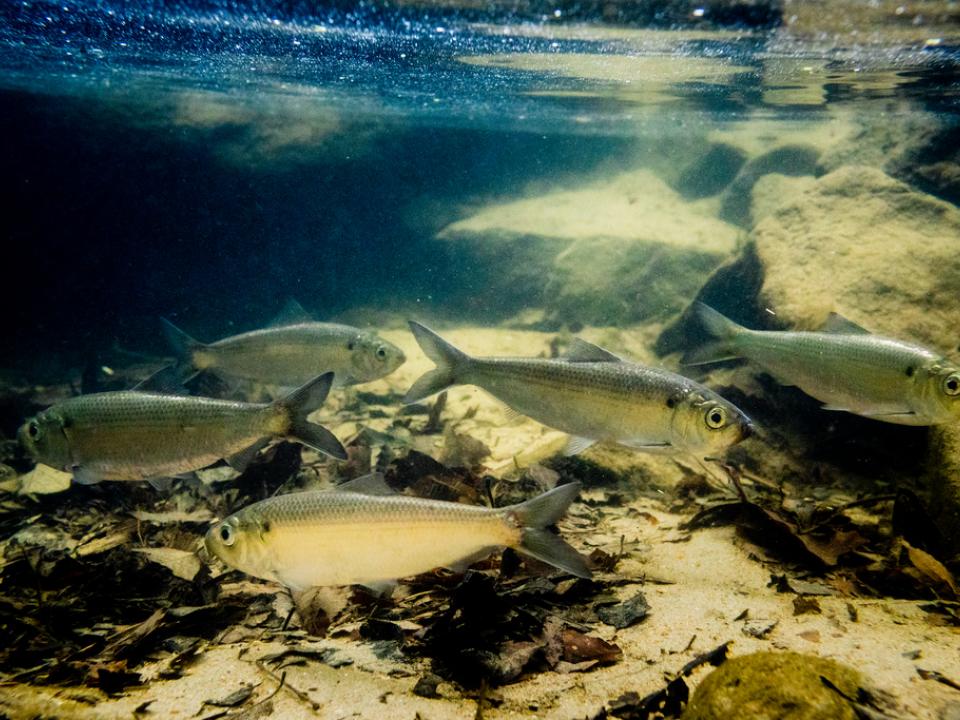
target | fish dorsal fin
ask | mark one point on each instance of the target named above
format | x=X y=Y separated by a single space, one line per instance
x=167 y=380
x=839 y=325
x=371 y=484
x=582 y=351
x=292 y=313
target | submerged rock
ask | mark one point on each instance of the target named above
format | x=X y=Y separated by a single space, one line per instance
x=856 y=242
x=598 y=254
x=776 y=686
x=867 y=246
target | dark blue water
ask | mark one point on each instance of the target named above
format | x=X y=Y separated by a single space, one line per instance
x=206 y=161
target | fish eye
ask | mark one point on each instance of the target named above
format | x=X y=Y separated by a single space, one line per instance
x=951 y=384
x=381 y=352
x=33 y=429
x=227 y=535
x=716 y=417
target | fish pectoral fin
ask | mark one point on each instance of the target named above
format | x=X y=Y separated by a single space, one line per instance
x=839 y=325
x=576 y=445
x=582 y=351
x=241 y=461
x=380 y=588
x=292 y=313
x=85 y=476
x=370 y=484
x=650 y=447
x=836 y=408
x=711 y=352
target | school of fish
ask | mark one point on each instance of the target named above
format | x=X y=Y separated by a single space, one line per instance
x=362 y=532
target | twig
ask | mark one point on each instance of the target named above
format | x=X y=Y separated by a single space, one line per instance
x=282 y=683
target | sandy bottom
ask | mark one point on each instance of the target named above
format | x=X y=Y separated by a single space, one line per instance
x=705 y=588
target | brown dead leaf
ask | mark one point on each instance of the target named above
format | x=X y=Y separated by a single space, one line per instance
x=44 y=480
x=579 y=647
x=930 y=567
x=200 y=515
x=181 y=563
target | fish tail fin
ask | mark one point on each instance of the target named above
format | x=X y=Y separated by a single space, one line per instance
x=724 y=332
x=183 y=345
x=447 y=358
x=536 y=541
x=299 y=404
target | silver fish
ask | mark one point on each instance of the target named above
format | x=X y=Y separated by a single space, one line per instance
x=593 y=395
x=312 y=539
x=132 y=435
x=290 y=355
x=845 y=367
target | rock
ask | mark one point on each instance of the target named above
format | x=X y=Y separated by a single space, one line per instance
x=773 y=190
x=711 y=172
x=786 y=160
x=596 y=254
x=742 y=687
x=857 y=242
x=869 y=247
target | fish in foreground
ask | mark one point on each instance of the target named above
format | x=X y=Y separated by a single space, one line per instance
x=845 y=367
x=593 y=395
x=134 y=435
x=372 y=537
x=290 y=352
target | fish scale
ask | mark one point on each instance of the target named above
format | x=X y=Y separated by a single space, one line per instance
x=844 y=367
x=593 y=395
x=132 y=435
x=307 y=508
x=347 y=537
x=291 y=354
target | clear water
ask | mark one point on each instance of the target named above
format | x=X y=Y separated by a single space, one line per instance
x=206 y=162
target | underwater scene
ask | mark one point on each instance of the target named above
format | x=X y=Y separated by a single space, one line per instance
x=480 y=359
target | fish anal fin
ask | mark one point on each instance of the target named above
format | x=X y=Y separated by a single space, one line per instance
x=161 y=484
x=240 y=461
x=512 y=415
x=370 y=484
x=582 y=351
x=462 y=565
x=167 y=380
x=85 y=476
x=839 y=325
x=576 y=445
x=292 y=313
x=380 y=588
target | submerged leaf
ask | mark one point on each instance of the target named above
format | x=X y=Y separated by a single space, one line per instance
x=931 y=568
x=181 y=563
x=626 y=613
x=44 y=480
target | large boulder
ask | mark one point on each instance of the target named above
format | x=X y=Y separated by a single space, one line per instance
x=873 y=249
x=856 y=242
x=596 y=254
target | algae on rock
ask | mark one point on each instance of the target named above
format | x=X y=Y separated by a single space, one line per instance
x=776 y=686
